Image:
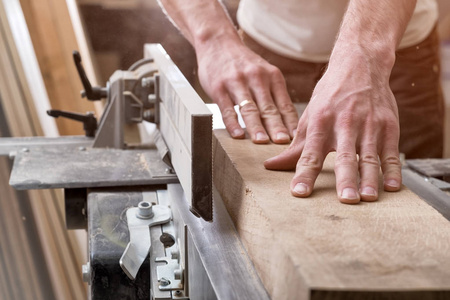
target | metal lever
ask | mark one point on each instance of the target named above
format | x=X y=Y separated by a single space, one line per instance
x=92 y=93
x=139 y=221
x=89 y=121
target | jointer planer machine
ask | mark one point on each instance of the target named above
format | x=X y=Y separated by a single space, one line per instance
x=148 y=207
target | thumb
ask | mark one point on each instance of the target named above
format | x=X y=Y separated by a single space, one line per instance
x=286 y=160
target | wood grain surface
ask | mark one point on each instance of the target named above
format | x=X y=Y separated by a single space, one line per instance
x=318 y=248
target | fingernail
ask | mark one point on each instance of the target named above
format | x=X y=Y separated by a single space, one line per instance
x=261 y=136
x=392 y=183
x=368 y=191
x=349 y=193
x=237 y=132
x=294 y=132
x=301 y=189
x=281 y=136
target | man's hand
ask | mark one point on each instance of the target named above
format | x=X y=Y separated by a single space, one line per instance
x=352 y=110
x=230 y=73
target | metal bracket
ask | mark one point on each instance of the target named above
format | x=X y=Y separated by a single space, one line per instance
x=170 y=276
x=139 y=221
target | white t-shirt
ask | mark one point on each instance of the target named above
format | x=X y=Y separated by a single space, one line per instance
x=307 y=29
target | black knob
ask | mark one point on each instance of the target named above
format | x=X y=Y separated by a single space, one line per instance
x=92 y=93
x=89 y=121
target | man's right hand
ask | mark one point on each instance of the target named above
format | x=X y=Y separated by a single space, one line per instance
x=230 y=73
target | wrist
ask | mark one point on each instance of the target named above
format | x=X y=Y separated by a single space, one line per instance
x=369 y=56
x=218 y=42
x=216 y=36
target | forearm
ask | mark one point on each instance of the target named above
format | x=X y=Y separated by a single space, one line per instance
x=201 y=22
x=373 y=30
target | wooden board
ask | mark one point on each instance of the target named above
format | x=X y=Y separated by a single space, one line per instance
x=39 y=258
x=53 y=36
x=318 y=248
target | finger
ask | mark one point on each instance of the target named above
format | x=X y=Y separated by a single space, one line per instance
x=346 y=170
x=252 y=119
x=239 y=93
x=230 y=118
x=310 y=163
x=288 y=159
x=283 y=102
x=269 y=113
x=369 y=169
x=390 y=164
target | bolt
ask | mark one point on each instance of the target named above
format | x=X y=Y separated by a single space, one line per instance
x=164 y=281
x=86 y=269
x=147 y=82
x=24 y=150
x=169 y=171
x=151 y=98
x=145 y=210
x=174 y=254
x=81 y=148
x=178 y=274
x=178 y=293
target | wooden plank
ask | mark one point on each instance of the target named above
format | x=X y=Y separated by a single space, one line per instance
x=53 y=37
x=318 y=248
x=19 y=278
x=56 y=256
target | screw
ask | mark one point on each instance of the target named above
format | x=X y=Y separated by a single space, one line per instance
x=169 y=171
x=82 y=148
x=178 y=293
x=25 y=150
x=145 y=210
x=164 y=281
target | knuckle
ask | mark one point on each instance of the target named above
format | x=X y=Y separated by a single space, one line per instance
x=311 y=162
x=369 y=159
x=228 y=113
x=256 y=71
x=249 y=109
x=391 y=160
x=287 y=108
x=268 y=110
x=217 y=87
x=392 y=124
x=233 y=79
x=275 y=73
x=316 y=135
x=345 y=158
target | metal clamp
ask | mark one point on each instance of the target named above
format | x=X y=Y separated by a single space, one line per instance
x=139 y=221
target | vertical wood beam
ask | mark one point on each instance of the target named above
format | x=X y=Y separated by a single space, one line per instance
x=54 y=39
